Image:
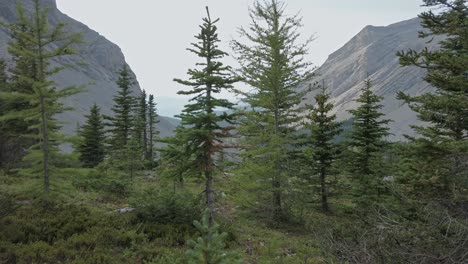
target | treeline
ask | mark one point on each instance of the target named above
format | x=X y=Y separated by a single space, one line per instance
x=405 y=201
x=126 y=140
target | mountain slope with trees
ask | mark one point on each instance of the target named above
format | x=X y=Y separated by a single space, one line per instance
x=371 y=54
x=102 y=61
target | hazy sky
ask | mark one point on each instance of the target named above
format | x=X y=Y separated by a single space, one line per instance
x=154 y=34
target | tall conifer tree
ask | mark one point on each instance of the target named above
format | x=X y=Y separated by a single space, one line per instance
x=141 y=126
x=367 y=140
x=439 y=150
x=122 y=122
x=205 y=136
x=36 y=43
x=93 y=135
x=152 y=130
x=273 y=64
x=320 y=149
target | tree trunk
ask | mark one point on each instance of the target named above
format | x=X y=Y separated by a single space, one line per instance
x=45 y=145
x=276 y=183
x=181 y=182
x=209 y=197
x=323 y=188
x=42 y=102
x=145 y=140
x=150 y=144
x=277 y=210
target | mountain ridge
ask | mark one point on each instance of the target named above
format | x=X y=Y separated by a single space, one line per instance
x=372 y=54
x=103 y=60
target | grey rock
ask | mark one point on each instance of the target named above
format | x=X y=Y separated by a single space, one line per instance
x=125 y=210
x=372 y=53
x=102 y=59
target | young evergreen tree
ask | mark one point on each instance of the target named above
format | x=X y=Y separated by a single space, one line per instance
x=273 y=64
x=122 y=123
x=92 y=146
x=367 y=141
x=141 y=126
x=320 y=149
x=210 y=247
x=205 y=134
x=177 y=159
x=152 y=130
x=131 y=158
x=440 y=148
x=35 y=41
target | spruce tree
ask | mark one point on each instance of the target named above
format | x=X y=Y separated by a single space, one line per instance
x=131 y=158
x=92 y=146
x=21 y=75
x=367 y=141
x=273 y=64
x=205 y=136
x=440 y=148
x=210 y=247
x=122 y=122
x=141 y=126
x=320 y=150
x=152 y=130
x=177 y=159
x=36 y=42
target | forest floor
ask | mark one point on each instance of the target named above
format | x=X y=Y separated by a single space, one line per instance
x=80 y=221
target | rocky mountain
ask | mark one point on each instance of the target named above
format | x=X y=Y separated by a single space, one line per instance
x=372 y=53
x=102 y=60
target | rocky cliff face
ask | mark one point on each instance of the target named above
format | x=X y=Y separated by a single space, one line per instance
x=372 y=53
x=103 y=60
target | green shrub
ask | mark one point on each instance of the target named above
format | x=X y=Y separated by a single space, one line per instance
x=114 y=183
x=164 y=207
x=67 y=161
x=35 y=224
x=168 y=256
x=7 y=205
x=174 y=235
x=67 y=234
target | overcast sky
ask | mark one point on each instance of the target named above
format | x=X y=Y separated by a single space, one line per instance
x=154 y=34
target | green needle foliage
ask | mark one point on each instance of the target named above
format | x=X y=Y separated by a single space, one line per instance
x=141 y=129
x=35 y=42
x=447 y=70
x=439 y=152
x=367 y=141
x=122 y=123
x=320 y=150
x=272 y=63
x=92 y=149
x=210 y=247
x=24 y=70
x=152 y=130
x=3 y=78
x=204 y=133
x=177 y=159
x=7 y=128
x=132 y=159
